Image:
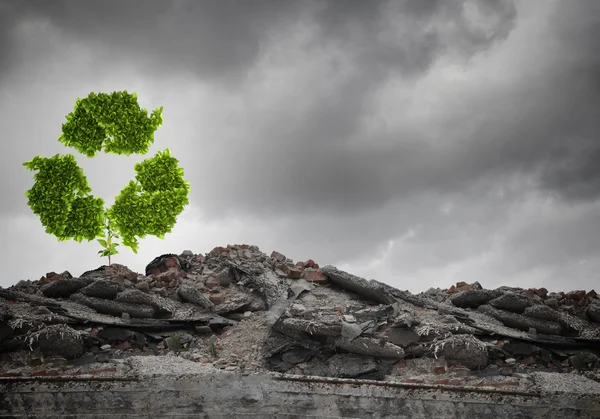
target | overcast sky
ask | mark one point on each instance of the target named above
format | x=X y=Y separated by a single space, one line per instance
x=417 y=142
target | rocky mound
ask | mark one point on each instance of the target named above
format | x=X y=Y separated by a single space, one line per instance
x=239 y=309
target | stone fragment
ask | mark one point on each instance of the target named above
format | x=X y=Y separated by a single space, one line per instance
x=212 y=282
x=293 y=326
x=203 y=330
x=165 y=263
x=310 y=264
x=593 y=312
x=371 y=290
x=217 y=298
x=370 y=347
x=521 y=322
x=352 y=366
x=543 y=312
x=195 y=296
x=143 y=286
x=64 y=287
x=351 y=330
x=473 y=298
x=232 y=303
x=114 y=308
x=515 y=303
x=57 y=340
x=465 y=350
x=314 y=275
x=102 y=288
x=583 y=360
x=402 y=336
x=224 y=278
x=278 y=256
x=295 y=272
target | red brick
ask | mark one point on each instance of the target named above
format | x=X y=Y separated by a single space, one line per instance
x=439 y=370
x=284 y=268
x=311 y=264
x=403 y=363
x=315 y=276
x=212 y=282
x=219 y=250
x=123 y=346
x=171 y=262
x=278 y=256
x=295 y=273
x=217 y=298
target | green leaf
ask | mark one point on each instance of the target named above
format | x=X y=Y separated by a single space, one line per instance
x=102 y=242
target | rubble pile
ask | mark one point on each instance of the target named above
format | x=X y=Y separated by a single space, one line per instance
x=239 y=309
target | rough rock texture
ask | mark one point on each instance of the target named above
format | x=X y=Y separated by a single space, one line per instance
x=239 y=309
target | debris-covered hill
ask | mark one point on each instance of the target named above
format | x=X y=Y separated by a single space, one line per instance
x=239 y=309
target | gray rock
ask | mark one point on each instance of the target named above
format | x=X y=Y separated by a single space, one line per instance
x=63 y=288
x=134 y=296
x=351 y=366
x=593 y=312
x=371 y=347
x=371 y=290
x=402 y=337
x=233 y=302
x=115 y=308
x=515 y=303
x=294 y=327
x=195 y=296
x=521 y=322
x=224 y=278
x=583 y=360
x=465 y=350
x=543 y=312
x=351 y=330
x=102 y=288
x=58 y=340
x=473 y=298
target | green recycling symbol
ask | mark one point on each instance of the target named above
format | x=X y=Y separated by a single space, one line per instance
x=148 y=205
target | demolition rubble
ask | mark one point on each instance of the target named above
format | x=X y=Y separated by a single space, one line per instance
x=238 y=309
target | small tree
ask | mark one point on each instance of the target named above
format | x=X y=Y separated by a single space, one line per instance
x=149 y=204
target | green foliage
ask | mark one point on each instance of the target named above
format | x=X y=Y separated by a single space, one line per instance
x=213 y=350
x=114 y=121
x=149 y=204
x=64 y=206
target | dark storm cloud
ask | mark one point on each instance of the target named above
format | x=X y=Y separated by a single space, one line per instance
x=223 y=40
x=215 y=39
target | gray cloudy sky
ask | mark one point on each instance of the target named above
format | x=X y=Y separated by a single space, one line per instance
x=417 y=142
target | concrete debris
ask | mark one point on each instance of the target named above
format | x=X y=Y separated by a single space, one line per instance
x=239 y=309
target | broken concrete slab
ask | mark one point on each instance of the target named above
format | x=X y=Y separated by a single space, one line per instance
x=371 y=347
x=513 y=302
x=64 y=287
x=102 y=288
x=195 y=296
x=522 y=322
x=115 y=308
x=371 y=290
x=473 y=298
